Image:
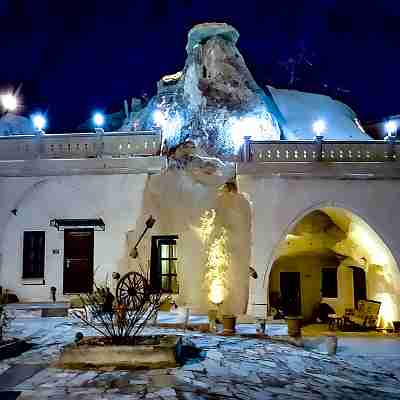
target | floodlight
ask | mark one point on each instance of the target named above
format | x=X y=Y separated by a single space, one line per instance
x=391 y=127
x=319 y=127
x=98 y=119
x=39 y=121
x=9 y=102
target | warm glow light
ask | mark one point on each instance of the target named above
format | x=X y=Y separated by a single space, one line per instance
x=98 y=119
x=39 y=121
x=376 y=254
x=207 y=224
x=387 y=312
x=319 y=127
x=217 y=265
x=217 y=291
x=391 y=127
x=9 y=102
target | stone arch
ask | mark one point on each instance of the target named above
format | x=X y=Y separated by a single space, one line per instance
x=381 y=265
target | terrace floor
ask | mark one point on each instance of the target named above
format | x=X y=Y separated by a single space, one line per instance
x=237 y=367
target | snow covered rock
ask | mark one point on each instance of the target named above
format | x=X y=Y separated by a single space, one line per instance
x=214 y=102
x=12 y=124
x=301 y=109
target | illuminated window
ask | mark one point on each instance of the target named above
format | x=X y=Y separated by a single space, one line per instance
x=164 y=260
x=329 y=282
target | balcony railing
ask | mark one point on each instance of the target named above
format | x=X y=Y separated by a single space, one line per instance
x=320 y=150
x=80 y=145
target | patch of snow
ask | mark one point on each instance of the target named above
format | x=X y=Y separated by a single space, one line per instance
x=12 y=124
x=301 y=110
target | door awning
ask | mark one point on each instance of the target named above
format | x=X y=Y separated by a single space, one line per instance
x=61 y=224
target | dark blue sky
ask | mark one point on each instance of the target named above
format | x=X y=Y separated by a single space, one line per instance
x=75 y=56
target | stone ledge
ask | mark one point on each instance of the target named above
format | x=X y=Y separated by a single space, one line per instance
x=165 y=354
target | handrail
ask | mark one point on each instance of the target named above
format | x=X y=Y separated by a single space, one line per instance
x=80 y=145
x=321 y=150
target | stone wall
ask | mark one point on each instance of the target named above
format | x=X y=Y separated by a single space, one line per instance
x=115 y=198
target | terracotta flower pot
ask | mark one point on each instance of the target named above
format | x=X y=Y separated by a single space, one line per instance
x=294 y=326
x=229 y=322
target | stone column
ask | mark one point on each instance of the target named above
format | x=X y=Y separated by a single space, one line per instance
x=258 y=298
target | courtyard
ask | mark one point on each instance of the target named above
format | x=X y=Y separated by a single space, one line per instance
x=235 y=367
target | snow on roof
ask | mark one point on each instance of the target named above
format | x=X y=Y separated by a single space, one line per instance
x=301 y=109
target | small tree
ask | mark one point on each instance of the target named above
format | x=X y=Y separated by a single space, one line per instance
x=116 y=320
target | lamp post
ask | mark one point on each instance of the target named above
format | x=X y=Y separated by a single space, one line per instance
x=39 y=122
x=98 y=121
x=391 y=130
x=319 y=127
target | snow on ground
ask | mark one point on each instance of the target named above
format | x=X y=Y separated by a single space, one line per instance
x=233 y=367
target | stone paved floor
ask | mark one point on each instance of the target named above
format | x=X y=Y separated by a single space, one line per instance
x=233 y=368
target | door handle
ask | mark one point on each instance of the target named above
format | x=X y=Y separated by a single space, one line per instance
x=67 y=263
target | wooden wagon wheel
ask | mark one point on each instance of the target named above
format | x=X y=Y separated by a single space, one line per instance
x=132 y=290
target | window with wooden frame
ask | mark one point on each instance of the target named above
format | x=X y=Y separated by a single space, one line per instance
x=164 y=260
x=33 y=255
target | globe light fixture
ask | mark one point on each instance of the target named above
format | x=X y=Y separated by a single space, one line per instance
x=319 y=127
x=39 y=122
x=9 y=102
x=391 y=128
x=98 y=120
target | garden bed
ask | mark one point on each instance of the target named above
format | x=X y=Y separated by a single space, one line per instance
x=142 y=352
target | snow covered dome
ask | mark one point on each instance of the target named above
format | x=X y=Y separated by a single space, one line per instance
x=12 y=124
x=300 y=110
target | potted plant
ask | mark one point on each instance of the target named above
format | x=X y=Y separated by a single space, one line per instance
x=294 y=321
x=229 y=322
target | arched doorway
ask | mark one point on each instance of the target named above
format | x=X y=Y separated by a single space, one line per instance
x=332 y=256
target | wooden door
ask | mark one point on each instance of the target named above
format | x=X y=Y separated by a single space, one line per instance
x=78 y=261
x=290 y=293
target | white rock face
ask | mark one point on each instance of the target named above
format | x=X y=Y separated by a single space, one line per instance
x=11 y=124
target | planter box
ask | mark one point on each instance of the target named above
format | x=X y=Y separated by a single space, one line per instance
x=13 y=348
x=158 y=352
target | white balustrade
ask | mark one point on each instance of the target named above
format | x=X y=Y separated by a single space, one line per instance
x=80 y=145
x=327 y=151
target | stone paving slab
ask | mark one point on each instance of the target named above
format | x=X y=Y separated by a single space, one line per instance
x=231 y=368
x=17 y=374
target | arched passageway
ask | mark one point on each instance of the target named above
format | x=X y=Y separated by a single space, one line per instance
x=332 y=256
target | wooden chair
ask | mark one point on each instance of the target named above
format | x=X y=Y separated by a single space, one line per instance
x=365 y=317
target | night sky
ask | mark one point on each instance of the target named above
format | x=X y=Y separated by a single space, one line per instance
x=76 y=56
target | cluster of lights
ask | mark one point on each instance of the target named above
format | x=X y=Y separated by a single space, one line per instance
x=258 y=127
x=217 y=266
x=9 y=103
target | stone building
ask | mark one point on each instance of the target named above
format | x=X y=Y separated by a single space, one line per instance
x=240 y=182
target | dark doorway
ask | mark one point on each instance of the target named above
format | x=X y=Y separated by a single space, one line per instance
x=290 y=293
x=360 y=285
x=78 y=261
